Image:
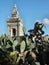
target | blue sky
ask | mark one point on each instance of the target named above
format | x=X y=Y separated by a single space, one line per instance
x=29 y=10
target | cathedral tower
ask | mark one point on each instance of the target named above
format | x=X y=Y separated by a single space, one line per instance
x=15 y=24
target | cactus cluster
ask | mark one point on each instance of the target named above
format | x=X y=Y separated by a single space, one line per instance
x=22 y=50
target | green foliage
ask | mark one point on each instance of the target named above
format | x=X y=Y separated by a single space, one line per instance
x=24 y=30
x=15 y=51
x=22 y=46
x=18 y=39
x=16 y=54
x=31 y=46
x=7 y=46
x=37 y=63
x=15 y=43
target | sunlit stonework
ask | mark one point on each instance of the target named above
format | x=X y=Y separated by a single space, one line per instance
x=15 y=24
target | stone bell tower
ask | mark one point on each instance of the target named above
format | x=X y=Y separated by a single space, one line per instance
x=15 y=24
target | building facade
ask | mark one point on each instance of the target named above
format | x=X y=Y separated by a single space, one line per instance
x=15 y=24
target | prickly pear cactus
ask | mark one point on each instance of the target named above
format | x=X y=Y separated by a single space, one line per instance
x=22 y=46
x=15 y=43
x=15 y=51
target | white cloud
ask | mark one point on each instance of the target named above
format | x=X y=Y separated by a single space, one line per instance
x=46 y=20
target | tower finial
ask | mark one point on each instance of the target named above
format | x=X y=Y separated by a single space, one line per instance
x=15 y=6
x=15 y=12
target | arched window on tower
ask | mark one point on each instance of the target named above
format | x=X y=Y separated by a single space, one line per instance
x=14 y=31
